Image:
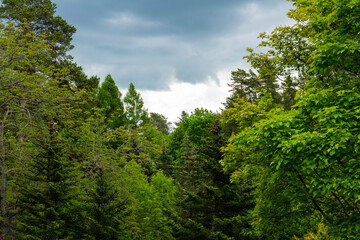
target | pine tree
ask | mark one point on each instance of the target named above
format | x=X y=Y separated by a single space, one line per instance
x=39 y=15
x=160 y=122
x=225 y=205
x=165 y=161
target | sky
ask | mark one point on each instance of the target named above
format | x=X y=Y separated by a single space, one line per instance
x=178 y=54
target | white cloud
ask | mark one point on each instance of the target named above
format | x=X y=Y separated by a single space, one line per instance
x=100 y=70
x=188 y=96
x=128 y=19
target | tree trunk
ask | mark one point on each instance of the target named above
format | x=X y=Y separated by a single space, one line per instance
x=4 y=209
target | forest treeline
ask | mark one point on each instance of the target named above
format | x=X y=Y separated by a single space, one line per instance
x=281 y=161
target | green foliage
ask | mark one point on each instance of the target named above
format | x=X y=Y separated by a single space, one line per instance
x=44 y=189
x=288 y=167
x=210 y=207
x=106 y=211
x=156 y=205
x=312 y=149
x=334 y=31
x=109 y=98
x=136 y=114
x=321 y=233
x=99 y=145
x=303 y=161
x=160 y=122
x=244 y=114
x=281 y=70
x=28 y=99
x=194 y=126
x=39 y=14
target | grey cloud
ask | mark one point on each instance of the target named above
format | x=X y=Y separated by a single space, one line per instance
x=151 y=42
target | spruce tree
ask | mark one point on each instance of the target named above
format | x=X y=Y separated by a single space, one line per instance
x=106 y=210
x=45 y=191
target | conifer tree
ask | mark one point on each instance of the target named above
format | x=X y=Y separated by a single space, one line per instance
x=106 y=211
x=27 y=99
x=136 y=114
x=109 y=98
x=45 y=191
x=164 y=160
x=39 y=15
x=160 y=122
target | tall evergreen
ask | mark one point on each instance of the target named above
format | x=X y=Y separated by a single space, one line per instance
x=45 y=191
x=136 y=114
x=106 y=210
x=109 y=98
x=211 y=207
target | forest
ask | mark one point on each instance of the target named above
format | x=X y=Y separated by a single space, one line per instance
x=81 y=160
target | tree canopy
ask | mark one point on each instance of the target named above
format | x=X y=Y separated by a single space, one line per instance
x=281 y=160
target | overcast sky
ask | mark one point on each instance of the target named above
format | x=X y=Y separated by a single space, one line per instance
x=178 y=54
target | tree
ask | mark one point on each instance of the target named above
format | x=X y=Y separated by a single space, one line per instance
x=106 y=211
x=109 y=98
x=304 y=158
x=210 y=206
x=39 y=15
x=194 y=126
x=45 y=191
x=156 y=203
x=281 y=69
x=41 y=20
x=140 y=145
x=333 y=31
x=28 y=100
x=164 y=160
x=160 y=122
x=244 y=85
x=136 y=114
x=224 y=205
x=18 y=53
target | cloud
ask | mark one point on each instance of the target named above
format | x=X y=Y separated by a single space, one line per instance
x=100 y=70
x=183 y=96
x=178 y=54
x=143 y=46
x=128 y=19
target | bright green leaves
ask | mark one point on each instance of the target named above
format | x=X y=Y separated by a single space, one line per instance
x=155 y=201
x=312 y=147
x=334 y=27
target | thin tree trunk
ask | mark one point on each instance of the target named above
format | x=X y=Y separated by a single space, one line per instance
x=4 y=209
